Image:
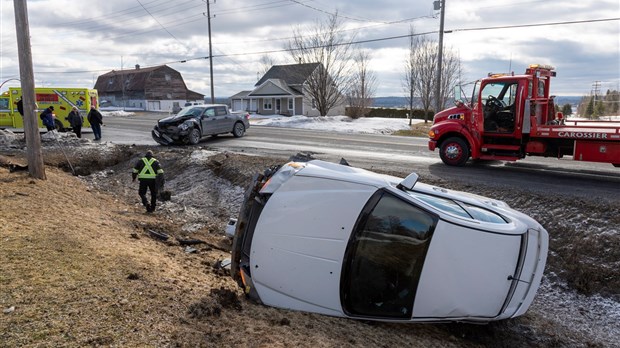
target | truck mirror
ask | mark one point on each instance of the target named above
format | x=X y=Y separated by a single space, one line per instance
x=458 y=96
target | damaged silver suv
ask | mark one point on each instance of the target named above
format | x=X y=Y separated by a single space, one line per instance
x=342 y=241
x=194 y=122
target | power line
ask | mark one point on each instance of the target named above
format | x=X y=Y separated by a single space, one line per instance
x=534 y=25
x=147 y=11
x=373 y=40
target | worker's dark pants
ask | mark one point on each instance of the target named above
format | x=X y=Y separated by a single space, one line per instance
x=96 y=130
x=151 y=184
x=78 y=131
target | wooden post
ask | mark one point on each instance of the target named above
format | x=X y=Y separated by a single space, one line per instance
x=36 y=168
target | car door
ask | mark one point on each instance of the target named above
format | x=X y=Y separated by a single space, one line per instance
x=224 y=120
x=209 y=122
x=467 y=273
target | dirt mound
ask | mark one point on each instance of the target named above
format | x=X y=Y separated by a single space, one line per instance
x=80 y=266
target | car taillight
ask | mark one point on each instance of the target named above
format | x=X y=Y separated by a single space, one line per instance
x=247 y=116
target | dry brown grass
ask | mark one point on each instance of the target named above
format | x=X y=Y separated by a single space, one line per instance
x=75 y=275
x=417 y=130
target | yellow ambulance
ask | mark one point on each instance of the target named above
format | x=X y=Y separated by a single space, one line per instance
x=62 y=99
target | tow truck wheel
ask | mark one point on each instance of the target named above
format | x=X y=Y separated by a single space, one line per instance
x=454 y=152
x=194 y=136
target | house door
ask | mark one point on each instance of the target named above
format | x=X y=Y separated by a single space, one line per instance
x=278 y=106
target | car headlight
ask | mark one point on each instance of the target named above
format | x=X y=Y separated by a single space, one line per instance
x=184 y=126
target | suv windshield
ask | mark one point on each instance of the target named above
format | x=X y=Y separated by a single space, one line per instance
x=194 y=111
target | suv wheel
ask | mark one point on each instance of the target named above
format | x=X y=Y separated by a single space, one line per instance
x=238 y=130
x=194 y=136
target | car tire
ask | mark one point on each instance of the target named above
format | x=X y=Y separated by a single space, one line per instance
x=454 y=151
x=194 y=136
x=238 y=130
x=58 y=126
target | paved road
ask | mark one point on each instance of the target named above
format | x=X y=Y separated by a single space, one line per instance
x=393 y=153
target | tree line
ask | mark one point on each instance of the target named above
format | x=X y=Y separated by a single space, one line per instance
x=596 y=106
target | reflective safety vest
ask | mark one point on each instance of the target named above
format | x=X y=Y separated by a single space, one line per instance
x=147 y=171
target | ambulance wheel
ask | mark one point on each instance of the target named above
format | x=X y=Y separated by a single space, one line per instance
x=454 y=152
x=58 y=126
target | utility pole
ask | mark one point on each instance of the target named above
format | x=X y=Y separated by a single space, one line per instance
x=210 y=53
x=438 y=100
x=36 y=168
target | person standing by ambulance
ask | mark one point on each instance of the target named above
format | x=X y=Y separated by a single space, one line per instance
x=76 y=120
x=149 y=172
x=95 y=118
x=47 y=116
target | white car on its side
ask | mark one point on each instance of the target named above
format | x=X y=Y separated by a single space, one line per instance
x=342 y=241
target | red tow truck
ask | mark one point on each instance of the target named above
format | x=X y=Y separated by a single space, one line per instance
x=513 y=116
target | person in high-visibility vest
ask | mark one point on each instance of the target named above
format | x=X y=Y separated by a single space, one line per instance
x=149 y=172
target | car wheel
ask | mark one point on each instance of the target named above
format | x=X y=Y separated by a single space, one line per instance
x=454 y=152
x=194 y=136
x=238 y=130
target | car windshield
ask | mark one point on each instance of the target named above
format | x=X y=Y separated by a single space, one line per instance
x=192 y=110
x=460 y=209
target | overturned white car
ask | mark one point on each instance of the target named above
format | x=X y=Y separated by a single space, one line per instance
x=342 y=241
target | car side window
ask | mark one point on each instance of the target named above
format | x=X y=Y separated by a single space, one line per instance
x=385 y=257
x=220 y=111
x=210 y=112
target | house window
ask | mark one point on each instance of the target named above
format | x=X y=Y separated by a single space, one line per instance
x=290 y=103
x=267 y=104
x=167 y=77
x=313 y=104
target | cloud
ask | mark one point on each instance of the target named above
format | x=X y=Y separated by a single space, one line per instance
x=73 y=42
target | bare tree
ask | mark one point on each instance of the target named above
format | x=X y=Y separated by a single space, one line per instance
x=363 y=86
x=327 y=45
x=420 y=71
x=266 y=62
x=450 y=71
x=420 y=75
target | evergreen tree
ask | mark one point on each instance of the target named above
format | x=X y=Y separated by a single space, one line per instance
x=567 y=110
x=612 y=100
x=590 y=108
x=599 y=109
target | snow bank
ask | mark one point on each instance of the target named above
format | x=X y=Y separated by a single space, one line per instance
x=342 y=124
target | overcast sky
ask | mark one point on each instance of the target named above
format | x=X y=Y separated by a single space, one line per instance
x=75 y=41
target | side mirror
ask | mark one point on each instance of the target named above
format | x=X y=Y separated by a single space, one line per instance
x=409 y=182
